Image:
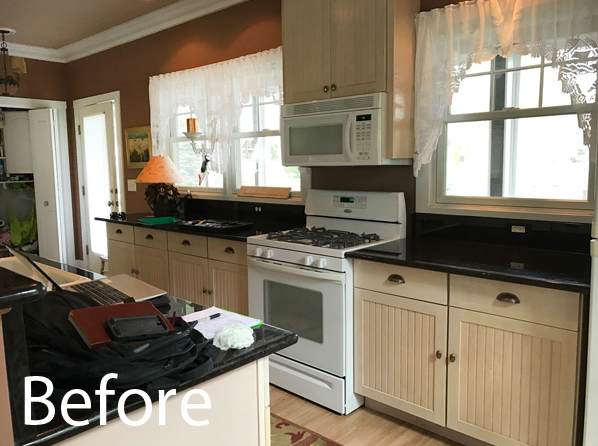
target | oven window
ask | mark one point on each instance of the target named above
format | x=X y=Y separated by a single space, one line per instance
x=316 y=140
x=299 y=310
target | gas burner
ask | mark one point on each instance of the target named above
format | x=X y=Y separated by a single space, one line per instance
x=322 y=237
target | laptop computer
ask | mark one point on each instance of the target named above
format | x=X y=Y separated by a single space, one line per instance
x=107 y=291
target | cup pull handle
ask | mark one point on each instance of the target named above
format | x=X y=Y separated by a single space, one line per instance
x=438 y=354
x=396 y=278
x=509 y=298
x=205 y=290
x=452 y=358
x=229 y=250
x=186 y=243
x=149 y=237
x=119 y=231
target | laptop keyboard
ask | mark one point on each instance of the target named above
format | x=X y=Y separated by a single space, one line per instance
x=100 y=292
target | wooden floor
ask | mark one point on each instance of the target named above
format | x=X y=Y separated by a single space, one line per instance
x=364 y=427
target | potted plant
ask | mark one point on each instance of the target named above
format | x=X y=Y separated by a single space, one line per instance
x=161 y=197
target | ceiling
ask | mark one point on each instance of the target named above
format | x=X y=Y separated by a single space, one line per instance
x=57 y=23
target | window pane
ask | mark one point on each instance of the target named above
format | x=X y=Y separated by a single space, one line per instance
x=467 y=159
x=483 y=67
x=189 y=164
x=261 y=164
x=520 y=159
x=270 y=117
x=519 y=89
x=246 y=121
x=585 y=84
x=473 y=96
x=516 y=61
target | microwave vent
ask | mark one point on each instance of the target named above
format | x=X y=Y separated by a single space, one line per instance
x=333 y=105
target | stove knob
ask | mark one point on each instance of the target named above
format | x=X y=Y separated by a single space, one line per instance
x=270 y=254
x=259 y=252
x=323 y=262
x=309 y=260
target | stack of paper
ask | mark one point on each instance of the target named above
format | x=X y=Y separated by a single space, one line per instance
x=209 y=327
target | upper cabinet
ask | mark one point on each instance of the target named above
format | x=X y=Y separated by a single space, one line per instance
x=337 y=48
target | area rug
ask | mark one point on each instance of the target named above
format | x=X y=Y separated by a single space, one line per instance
x=285 y=433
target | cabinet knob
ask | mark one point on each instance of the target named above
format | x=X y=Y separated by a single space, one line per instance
x=325 y=88
x=333 y=87
x=396 y=278
x=186 y=243
x=46 y=203
x=509 y=298
x=205 y=290
x=229 y=250
x=118 y=231
x=110 y=203
x=438 y=354
x=210 y=292
x=149 y=237
x=132 y=270
x=452 y=358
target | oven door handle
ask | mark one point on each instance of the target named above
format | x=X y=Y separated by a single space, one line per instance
x=328 y=276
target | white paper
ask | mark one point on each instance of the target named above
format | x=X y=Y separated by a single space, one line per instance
x=209 y=327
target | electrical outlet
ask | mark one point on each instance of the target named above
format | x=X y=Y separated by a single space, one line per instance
x=131 y=185
x=518 y=229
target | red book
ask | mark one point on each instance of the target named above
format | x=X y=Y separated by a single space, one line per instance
x=90 y=322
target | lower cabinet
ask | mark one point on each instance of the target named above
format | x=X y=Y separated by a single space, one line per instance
x=511 y=383
x=189 y=278
x=152 y=267
x=228 y=283
x=121 y=257
x=400 y=349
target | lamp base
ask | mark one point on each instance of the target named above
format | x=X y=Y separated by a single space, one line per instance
x=164 y=210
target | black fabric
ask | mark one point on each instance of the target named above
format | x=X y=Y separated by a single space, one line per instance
x=57 y=352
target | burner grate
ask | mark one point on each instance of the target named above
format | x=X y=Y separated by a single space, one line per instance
x=322 y=237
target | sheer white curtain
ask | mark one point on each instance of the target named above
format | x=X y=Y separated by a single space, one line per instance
x=215 y=93
x=451 y=39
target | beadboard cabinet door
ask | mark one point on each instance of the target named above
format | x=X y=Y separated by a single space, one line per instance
x=306 y=50
x=228 y=286
x=121 y=258
x=152 y=266
x=400 y=350
x=357 y=47
x=189 y=278
x=511 y=383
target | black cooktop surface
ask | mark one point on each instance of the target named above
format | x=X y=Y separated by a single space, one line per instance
x=327 y=238
x=215 y=225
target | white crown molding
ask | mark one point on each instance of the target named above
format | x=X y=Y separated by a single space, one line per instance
x=164 y=18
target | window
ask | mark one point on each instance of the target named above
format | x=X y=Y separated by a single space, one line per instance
x=514 y=138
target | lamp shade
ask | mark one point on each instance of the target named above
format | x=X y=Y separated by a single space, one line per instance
x=160 y=169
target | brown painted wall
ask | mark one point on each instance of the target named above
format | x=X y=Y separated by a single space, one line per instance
x=44 y=80
x=233 y=32
x=428 y=5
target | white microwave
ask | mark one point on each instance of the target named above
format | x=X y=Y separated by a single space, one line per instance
x=348 y=131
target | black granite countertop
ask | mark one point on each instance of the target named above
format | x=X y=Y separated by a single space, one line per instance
x=257 y=228
x=268 y=340
x=550 y=269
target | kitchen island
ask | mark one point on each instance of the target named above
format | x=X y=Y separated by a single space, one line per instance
x=237 y=386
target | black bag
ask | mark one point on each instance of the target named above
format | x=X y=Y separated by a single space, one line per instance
x=57 y=352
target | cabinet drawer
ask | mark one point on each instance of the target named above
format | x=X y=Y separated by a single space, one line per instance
x=152 y=238
x=540 y=305
x=227 y=251
x=194 y=245
x=122 y=233
x=429 y=286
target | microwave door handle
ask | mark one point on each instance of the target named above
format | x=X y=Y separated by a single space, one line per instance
x=327 y=276
x=349 y=134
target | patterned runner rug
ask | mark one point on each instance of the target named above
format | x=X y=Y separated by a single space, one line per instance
x=285 y=433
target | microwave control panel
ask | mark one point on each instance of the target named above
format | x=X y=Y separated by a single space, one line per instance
x=363 y=136
x=340 y=201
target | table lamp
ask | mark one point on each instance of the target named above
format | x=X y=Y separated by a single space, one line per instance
x=160 y=194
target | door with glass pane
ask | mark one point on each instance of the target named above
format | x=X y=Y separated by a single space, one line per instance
x=98 y=178
x=307 y=302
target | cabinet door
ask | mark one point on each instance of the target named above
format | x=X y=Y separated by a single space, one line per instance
x=189 y=278
x=511 y=383
x=152 y=266
x=18 y=143
x=121 y=258
x=396 y=343
x=228 y=283
x=306 y=50
x=357 y=46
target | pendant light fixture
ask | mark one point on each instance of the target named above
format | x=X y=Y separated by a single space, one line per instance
x=11 y=68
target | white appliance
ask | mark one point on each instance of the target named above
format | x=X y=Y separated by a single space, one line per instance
x=591 y=413
x=348 y=131
x=300 y=280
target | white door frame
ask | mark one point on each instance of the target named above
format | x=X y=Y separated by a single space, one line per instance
x=63 y=199
x=77 y=105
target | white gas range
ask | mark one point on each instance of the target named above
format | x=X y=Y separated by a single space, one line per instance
x=300 y=280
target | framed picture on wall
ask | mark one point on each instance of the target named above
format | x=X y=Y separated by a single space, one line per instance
x=139 y=146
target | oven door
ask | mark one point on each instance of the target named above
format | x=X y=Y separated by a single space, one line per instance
x=305 y=301
x=318 y=140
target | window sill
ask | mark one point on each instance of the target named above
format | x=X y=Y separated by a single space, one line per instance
x=199 y=194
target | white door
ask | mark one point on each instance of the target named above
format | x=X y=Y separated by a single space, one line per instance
x=98 y=178
x=44 y=145
x=18 y=143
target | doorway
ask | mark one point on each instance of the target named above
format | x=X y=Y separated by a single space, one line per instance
x=99 y=154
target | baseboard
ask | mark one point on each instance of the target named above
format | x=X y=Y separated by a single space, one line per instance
x=424 y=424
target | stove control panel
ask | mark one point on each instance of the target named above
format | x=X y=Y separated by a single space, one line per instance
x=349 y=202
